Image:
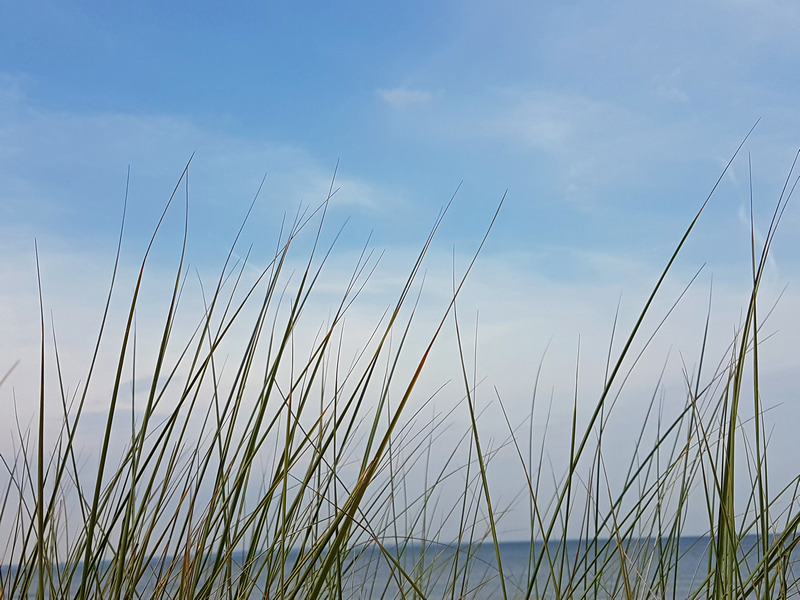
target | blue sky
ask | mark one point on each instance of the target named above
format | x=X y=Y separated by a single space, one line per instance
x=605 y=124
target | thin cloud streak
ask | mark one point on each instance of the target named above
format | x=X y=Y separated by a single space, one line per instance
x=402 y=98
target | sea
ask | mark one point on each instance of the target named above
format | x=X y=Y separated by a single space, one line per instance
x=571 y=569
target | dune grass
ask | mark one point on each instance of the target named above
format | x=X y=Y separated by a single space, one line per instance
x=252 y=471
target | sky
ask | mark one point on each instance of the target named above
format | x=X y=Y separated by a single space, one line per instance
x=604 y=126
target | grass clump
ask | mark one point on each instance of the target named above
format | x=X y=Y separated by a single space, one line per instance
x=252 y=470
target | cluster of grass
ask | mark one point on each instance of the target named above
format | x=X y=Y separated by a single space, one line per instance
x=251 y=472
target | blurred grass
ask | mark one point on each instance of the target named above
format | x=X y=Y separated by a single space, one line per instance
x=269 y=474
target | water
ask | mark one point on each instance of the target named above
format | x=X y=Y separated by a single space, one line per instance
x=565 y=569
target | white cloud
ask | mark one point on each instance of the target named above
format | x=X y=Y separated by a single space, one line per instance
x=401 y=97
x=666 y=87
x=66 y=172
x=595 y=146
x=348 y=192
x=62 y=183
